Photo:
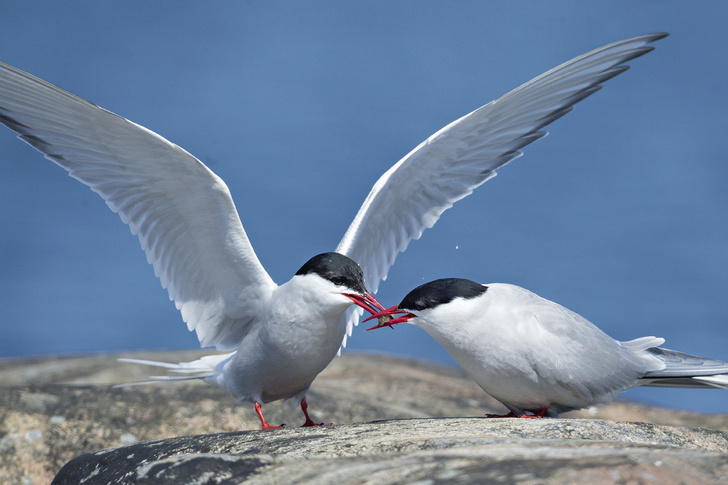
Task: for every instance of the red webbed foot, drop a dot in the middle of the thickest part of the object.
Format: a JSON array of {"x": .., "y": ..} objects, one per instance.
[
  {"x": 309, "y": 421},
  {"x": 263, "y": 423}
]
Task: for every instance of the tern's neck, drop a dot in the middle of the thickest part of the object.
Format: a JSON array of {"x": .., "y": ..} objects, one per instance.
[
  {"x": 452, "y": 324},
  {"x": 306, "y": 318},
  {"x": 313, "y": 297}
]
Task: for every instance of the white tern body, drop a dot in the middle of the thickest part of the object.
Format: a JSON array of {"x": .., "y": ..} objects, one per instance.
[{"x": 186, "y": 221}]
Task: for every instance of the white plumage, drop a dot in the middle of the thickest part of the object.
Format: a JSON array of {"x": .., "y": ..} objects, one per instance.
[
  {"x": 534, "y": 355},
  {"x": 189, "y": 228}
]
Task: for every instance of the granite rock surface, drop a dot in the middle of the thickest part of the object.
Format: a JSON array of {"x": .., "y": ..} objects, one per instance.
[{"x": 55, "y": 410}]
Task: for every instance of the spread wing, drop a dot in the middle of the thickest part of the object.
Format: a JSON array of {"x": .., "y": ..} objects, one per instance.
[
  {"x": 181, "y": 211},
  {"x": 449, "y": 165}
]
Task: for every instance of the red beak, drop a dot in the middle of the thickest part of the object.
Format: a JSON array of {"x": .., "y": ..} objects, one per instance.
[
  {"x": 368, "y": 302},
  {"x": 383, "y": 322}
]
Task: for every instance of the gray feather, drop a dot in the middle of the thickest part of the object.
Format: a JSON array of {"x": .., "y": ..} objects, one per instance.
[{"x": 685, "y": 370}]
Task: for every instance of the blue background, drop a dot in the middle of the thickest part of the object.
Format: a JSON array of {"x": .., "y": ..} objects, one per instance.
[{"x": 619, "y": 214}]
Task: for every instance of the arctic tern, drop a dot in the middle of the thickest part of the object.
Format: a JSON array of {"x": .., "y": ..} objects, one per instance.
[
  {"x": 537, "y": 357},
  {"x": 281, "y": 337}
]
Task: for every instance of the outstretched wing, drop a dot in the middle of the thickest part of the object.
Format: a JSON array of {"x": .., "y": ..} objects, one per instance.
[
  {"x": 449, "y": 165},
  {"x": 181, "y": 211}
]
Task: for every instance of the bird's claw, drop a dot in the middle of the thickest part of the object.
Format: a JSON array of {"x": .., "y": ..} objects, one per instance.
[
  {"x": 268, "y": 426},
  {"x": 311, "y": 424}
]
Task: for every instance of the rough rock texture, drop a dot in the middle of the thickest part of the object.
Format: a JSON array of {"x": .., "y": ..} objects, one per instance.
[
  {"x": 461, "y": 450},
  {"x": 53, "y": 410}
]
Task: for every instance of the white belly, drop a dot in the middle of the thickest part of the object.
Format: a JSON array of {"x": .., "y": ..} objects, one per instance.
[{"x": 270, "y": 366}]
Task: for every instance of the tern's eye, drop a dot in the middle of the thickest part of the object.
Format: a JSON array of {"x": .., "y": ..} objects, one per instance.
[{"x": 338, "y": 280}]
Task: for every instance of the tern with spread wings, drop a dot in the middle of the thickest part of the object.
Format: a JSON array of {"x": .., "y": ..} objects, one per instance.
[{"x": 280, "y": 337}]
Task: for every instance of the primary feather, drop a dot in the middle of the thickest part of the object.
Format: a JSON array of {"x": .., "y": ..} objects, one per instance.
[
  {"x": 181, "y": 211},
  {"x": 410, "y": 197}
]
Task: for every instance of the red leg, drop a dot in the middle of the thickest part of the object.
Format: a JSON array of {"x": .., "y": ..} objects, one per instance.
[
  {"x": 309, "y": 421},
  {"x": 263, "y": 422},
  {"x": 538, "y": 415}
]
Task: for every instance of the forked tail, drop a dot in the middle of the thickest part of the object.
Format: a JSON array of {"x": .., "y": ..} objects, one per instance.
[
  {"x": 684, "y": 370},
  {"x": 208, "y": 368}
]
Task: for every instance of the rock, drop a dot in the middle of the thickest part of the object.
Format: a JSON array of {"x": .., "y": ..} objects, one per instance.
[
  {"x": 461, "y": 450},
  {"x": 68, "y": 409}
]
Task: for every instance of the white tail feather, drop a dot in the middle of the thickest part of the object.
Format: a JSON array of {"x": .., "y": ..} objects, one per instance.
[
  {"x": 208, "y": 368},
  {"x": 720, "y": 381}
]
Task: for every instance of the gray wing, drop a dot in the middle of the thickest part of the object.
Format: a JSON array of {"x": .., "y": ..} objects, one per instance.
[
  {"x": 569, "y": 351},
  {"x": 449, "y": 165},
  {"x": 181, "y": 211},
  {"x": 685, "y": 370}
]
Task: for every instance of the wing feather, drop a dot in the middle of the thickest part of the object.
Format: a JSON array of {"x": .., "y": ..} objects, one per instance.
[
  {"x": 181, "y": 211},
  {"x": 410, "y": 197}
]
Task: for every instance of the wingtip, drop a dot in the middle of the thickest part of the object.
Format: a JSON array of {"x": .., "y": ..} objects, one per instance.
[{"x": 653, "y": 37}]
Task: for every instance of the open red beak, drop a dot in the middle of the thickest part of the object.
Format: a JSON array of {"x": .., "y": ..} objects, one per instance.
[
  {"x": 368, "y": 302},
  {"x": 385, "y": 317}
]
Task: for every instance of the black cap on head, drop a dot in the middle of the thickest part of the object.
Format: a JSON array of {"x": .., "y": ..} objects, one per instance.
[
  {"x": 439, "y": 292},
  {"x": 338, "y": 269}
]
